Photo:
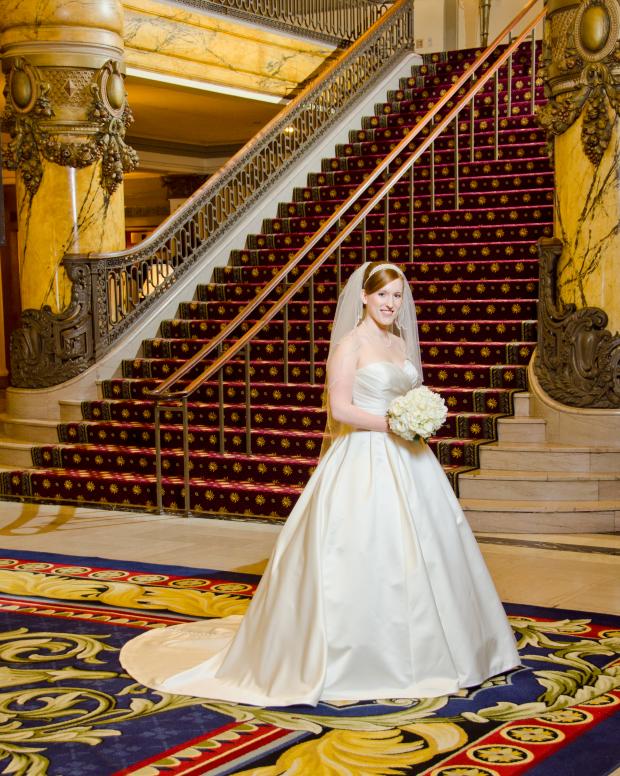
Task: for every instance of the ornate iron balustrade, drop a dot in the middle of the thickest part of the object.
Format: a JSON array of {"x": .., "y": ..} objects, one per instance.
[
  {"x": 399, "y": 165},
  {"x": 116, "y": 289},
  {"x": 336, "y": 21}
]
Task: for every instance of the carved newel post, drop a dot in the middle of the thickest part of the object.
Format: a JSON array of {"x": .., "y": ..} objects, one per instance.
[
  {"x": 66, "y": 115},
  {"x": 578, "y": 357}
]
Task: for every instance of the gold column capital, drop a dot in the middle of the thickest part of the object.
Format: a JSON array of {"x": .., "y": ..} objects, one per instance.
[
  {"x": 581, "y": 71},
  {"x": 65, "y": 93}
]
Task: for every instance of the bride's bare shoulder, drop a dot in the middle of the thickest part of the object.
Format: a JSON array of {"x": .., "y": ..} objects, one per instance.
[
  {"x": 350, "y": 341},
  {"x": 345, "y": 353}
]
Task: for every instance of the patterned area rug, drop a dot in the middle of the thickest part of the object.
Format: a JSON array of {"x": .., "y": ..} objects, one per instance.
[{"x": 68, "y": 709}]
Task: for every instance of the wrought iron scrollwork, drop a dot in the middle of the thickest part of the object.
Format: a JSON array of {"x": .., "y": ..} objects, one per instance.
[
  {"x": 578, "y": 359},
  {"x": 49, "y": 347},
  {"x": 340, "y": 22}
]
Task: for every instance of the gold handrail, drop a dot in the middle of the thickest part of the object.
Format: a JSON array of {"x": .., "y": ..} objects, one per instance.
[
  {"x": 162, "y": 390},
  {"x": 339, "y": 239}
]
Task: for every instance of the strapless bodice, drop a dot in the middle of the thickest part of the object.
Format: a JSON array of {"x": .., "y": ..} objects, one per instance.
[{"x": 378, "y": 383}]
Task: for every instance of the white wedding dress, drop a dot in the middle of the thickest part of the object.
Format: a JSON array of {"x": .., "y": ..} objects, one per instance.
[{"x": 376, "y": 588}]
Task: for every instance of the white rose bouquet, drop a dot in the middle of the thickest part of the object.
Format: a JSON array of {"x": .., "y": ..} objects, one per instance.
[{"x": 419, "y": 413}]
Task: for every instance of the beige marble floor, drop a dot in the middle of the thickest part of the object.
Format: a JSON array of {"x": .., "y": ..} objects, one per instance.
[{"x": 576, "y": 571}]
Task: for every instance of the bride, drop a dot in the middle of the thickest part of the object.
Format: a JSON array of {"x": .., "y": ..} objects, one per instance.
[{"x": 376, "y": 587}]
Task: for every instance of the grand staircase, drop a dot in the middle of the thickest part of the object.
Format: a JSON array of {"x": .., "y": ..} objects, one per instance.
[{"x": 474, "y": 276}]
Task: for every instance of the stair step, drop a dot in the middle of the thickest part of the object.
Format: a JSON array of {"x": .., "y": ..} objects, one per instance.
[
  {"x": 446, "y": 141},
  {"x": 423, "y": 253},
  {"x": 549, "y": 457},
  {"x": 439, "y": 75},
  {"x": 268, "y": 469},
  {"x": 522, "y": 404},
  {"x": 413, "y": 101},
  {"x": 521, "y": 429},
  {"x": 504, "y": 153},
  {"x": 70, "y": 409},
  {"x": 15, "y": 452},
  {"x": 500, "y": 484},
  {"x": 430, "y": 237},
  {"x": 446, "y": 290},
  {"x": 440, "y": 80},
  {"x": 490, "y": 176},
  {"x": 506, "y": 309},
  {"x": 28, "y": 429},
  {"x": 262, "y": 416},
  {"x": 455, "y": 329},
  {"x": 476, "y": 376},
  {"x": 459, "y": 399},
  {"x": 306, "y": 444},
  {"x": 474, "y": 215},
  {"x": 304, "y": 207},
  {"x": 481, "y": 111},
  {"x": 507, "y": 125},
  {"x": 414, "y": 92},
  {"x": 437, "y": 270},
  {"x": 561, "y": 516},
  {"x": 128, "y": 489},
  {"x": 445, "y": 352}
]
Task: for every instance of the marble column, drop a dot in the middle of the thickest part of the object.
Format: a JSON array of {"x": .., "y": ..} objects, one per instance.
[
  {"x": 66, "y": 116},
  {"x": 578, "y": 356}
]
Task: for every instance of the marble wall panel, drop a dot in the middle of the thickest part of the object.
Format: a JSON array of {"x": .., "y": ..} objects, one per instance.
[
  {"x": 177, "y": 41},
  {"x": 587, "y": 220},
  {"x": 70, "y": 213}
]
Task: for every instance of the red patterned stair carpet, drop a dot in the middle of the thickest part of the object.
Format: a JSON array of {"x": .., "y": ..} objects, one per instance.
[{"x": 474, "y": 276}]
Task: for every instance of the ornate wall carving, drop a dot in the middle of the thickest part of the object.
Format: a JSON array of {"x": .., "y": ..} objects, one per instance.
[
  {"x": 50, "y": 348},
  {"x": 578, "y": 359}
]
